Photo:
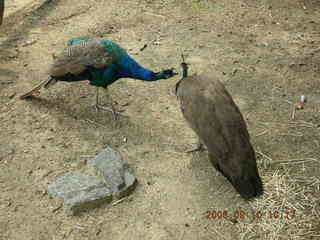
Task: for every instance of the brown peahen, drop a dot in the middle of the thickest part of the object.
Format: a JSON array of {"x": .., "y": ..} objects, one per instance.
[
  {"x": 212, "y": 114},
  {"x": 102, "y": 62}
]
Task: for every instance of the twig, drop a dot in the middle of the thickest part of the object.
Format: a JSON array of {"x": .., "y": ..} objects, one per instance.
[
  {"x": 264, "y": 155},
  {"x": 153, "y": 14},
  {"x": 262, "y": 133},
  {"x": 79, "y": 12},
  {"x": 57, "y": 208},
  {"x": 141, "y": 49},
  {"x": 295, "y": 161},
  {"x": 287, "y": 101},
  {"x": 120, "y": 201},
  {"x": 293, "y": 113},
  {"x": 222, "y": 237},
  {"x": 182, "y": 235},
  {"x": 93, "y": 122},
  {"x": 294, "y": 135},
  {"x": 304, "y": 123},
  {"x": 300, "y": 122}
]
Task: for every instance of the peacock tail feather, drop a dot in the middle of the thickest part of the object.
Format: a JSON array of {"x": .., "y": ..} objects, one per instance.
[{"x": 83, "y": 52}]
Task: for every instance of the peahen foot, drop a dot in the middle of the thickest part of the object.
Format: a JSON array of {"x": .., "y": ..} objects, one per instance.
[{"x": 199, "y": 147}]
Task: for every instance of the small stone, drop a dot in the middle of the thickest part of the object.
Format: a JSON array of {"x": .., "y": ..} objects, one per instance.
[
  {"x": 29, "y": 42},
  {"x": 12, "y": 95}
]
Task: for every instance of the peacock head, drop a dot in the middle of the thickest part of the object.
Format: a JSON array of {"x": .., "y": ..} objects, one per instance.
[{"x": 165, "y": 74}]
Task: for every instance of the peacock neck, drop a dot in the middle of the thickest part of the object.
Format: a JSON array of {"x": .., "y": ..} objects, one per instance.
[{"x": 129, "y": 68}]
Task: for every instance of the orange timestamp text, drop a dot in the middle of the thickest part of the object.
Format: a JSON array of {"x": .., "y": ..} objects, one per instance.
[{"x": 286, "y": 213}]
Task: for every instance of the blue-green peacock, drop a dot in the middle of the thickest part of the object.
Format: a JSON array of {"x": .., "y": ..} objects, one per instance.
[{"x": 102, "y": 62}]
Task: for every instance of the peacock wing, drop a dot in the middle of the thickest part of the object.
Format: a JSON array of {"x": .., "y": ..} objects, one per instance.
[{"x": 74, "y": 58}]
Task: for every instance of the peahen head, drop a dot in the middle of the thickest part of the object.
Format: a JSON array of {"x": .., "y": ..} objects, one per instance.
[{"x": 184, "y": 66}]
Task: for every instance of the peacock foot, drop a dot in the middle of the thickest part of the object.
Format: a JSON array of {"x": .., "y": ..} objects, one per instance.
[{"x": 111, "y": 109}]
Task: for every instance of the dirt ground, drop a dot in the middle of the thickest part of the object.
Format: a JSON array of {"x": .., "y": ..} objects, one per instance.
[{"x": 266, "y": 52}]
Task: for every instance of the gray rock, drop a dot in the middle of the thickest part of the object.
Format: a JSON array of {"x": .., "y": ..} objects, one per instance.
[
  {"x": 114, "y": 171},
  {"x": 80, "y": 192}
]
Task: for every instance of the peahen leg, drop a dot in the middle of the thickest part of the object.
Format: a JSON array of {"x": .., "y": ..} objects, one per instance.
[{"x": 98, "y": 106}]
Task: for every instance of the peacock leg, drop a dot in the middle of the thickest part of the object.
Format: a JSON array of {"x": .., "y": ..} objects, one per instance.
[
  {"x": 106, "y": 108},
  {"x": 96, "y": 106}
]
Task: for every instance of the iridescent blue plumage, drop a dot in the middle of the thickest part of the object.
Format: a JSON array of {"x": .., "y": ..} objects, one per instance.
[{"x": 124, "y": 66}]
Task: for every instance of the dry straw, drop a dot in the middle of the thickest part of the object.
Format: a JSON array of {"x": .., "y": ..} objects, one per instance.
[{"x": 294, "y": 196}]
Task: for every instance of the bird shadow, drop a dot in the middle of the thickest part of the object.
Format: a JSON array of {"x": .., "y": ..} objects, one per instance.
[
  {"x": 78, "y": 112},
  {"x": 7, "y": 78},
  {"x": 8, "y": 73}
]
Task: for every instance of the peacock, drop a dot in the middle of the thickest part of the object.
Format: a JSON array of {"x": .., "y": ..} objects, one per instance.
[
  {"x": 1, "y": 10},
  {"x": 211, "y": 112},
  {"x": 102, "y": 62}
]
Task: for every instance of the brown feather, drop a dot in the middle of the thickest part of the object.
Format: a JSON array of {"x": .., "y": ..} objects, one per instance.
[{"x": 74, "y": 58}]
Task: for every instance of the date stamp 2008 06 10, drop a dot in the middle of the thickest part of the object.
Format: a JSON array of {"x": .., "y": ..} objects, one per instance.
[{"x": 286, "y": 213}]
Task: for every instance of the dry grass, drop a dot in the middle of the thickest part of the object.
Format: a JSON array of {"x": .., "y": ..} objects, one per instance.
[{"x": 294, "y": 196}]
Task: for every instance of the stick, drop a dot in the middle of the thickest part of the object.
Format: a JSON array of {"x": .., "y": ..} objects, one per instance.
[
  {"x": 264, "y": 155},
  {"x": 37, "y": 88},
  {"x": 120, "y": 201},
  {"x": 262, "y": 133},
  {"x": 222, "y": 237},
  {"x": 93, "y": 122},
  {"x": 293, "y": 113},
  {"x": 153, "y": 14},
  {"x": 182, "y": 235}
]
